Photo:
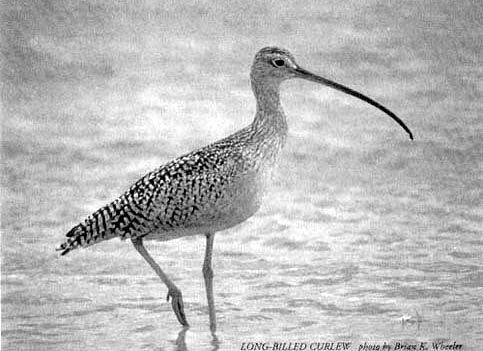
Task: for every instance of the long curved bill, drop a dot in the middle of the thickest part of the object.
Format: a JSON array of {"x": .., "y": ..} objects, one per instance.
[{"x": 302, "y": 73}]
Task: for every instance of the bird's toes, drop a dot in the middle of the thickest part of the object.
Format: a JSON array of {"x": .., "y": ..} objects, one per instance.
[
  {"x": 179, "y": 311},
  {"x": 178, "y": 306}
]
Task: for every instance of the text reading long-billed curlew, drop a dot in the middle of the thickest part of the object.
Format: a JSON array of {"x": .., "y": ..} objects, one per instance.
[{"x": 210, "y": 189}]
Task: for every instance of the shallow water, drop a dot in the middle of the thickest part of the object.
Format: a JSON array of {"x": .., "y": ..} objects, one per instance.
[{"x": 365, "y": 236}]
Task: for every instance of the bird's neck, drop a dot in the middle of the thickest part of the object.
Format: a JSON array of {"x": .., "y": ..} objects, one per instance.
[
  {"x": 270, "y": 119},
  {"x": 268, "y": 130}
]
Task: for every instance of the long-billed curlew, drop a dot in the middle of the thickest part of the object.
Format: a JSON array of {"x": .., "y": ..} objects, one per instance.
[{"x": 210, "y": 189}]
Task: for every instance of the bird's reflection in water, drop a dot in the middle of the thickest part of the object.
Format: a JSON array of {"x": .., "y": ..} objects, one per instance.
[
  {"x": 215, "y": 342},
  {"x": 180, "y": 342}
]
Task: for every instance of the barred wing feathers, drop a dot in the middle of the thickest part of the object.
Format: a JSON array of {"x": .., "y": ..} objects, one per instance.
[{"x": 166, "y": 197}]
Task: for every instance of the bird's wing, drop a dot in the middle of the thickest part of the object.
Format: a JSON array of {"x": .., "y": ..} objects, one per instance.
[{"x": 166, "y": 197}]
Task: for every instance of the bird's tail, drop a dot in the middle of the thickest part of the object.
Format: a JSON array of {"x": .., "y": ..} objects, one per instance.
[
  {"x": 75, "y": 237},
  {"x": 106, "y": 223},
  {"x": 84, "y": 234}
]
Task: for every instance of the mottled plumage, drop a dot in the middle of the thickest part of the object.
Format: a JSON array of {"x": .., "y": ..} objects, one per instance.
[
  {"x": 210, "y": 189},
  {"x": 207, "y": 190}
]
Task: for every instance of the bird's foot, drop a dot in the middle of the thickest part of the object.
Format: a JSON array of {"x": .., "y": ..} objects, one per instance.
[{"x": 177, "y": 304}]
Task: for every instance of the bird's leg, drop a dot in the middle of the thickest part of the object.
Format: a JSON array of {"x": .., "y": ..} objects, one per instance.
[
  {"x": 208, "y": 275},
  {"x": 173, "y": 291}
]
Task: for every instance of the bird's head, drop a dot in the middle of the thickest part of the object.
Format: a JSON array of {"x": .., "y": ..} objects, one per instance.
[{"x": 273, "y": 65}]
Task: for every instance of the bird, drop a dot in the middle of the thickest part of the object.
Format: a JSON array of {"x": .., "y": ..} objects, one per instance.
[{"x": 209, "y": 189}]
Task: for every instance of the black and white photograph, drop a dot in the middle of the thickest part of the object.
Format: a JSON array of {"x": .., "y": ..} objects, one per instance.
[{"x": 242, "y": 175}]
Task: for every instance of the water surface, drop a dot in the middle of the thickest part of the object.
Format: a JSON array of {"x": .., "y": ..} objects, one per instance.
[{"x": 363, "y": 229}]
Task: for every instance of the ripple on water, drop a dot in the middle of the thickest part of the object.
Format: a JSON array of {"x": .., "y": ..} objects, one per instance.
[
  {"x": 284, "y": 243},
  {"x": 464, "y": 254},
  {"x": 367, "y": 308},
  {"x": 155, "y": 307},
  {"x": 275, "y": 310},
  {"x": 443, "y": 267},
  {"x": 276, "y": 285},
  {"x": 312, "y": 304},
  {"x": 86, "y": 312},
  {"x": 146, "y": 328},
  {"x": 317, "y": 246},
  {"x": 472, "y": 280},
  {"x": 325, "y": 282},
  {"x": 412, "y": 292},
  {"x": 258, "y": 317}
]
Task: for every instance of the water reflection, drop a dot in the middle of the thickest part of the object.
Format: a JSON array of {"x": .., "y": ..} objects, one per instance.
[
  {"x": 180, "y": 342},
  {"x": 215, "y": 342}
]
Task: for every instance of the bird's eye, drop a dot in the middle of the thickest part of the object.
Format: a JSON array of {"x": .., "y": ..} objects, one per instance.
[{"x": 278, "y": 63}]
